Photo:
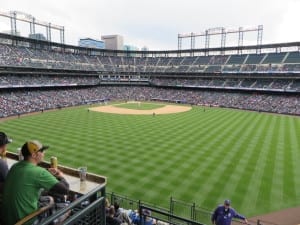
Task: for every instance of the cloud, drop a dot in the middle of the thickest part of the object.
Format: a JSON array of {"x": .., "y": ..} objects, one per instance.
[
  {"x": 288, "y": 28},
  {"x": 156, "y": 23}
]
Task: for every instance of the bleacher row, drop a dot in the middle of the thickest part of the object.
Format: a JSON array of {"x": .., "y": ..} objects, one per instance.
[
  {"x": 18, "y": 56},
  {"x": 235, "y": 83},
  {"x": 41, "y": 80}
]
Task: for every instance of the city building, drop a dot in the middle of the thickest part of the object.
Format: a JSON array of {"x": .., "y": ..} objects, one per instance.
[
  {"x": 145, "y": 48},
  {"x": 38, "y": 36},
  {"x": 114, "y": 42},
  {"x": 130, "y": 48},
  {"x": 91, "y": 43}
]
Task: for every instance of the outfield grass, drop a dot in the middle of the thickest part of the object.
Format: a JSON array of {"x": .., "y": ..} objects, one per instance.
[{"x": 196, "y": 156}]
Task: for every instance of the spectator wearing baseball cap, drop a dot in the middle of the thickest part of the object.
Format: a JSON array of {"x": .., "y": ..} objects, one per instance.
[
  {"x": 145, "y": 219},
  {"x": 4, "y": 140},
  {"x": 224, "y": 214},
  {"x": 24, "y": 183},
  {"x": 31, "y": 148}
]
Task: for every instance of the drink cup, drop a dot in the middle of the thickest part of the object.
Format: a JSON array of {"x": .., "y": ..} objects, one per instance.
[{"x": 82, "y": 173}]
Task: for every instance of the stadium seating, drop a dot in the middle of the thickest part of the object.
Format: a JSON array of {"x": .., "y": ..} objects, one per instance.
[
  {"x": 236, "y": 59},
  {"x": 254, "y": 59},
  {"x": 127, "y": 69},
  {"x": 293, "y": 57},
  {"x": 33, "y": 58},
  {"x": 274, "y": 58},
  {"x": 19, "y": 102}
]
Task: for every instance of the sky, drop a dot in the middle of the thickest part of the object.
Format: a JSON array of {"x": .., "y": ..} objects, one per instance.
[{"x": 157, "y": 23}]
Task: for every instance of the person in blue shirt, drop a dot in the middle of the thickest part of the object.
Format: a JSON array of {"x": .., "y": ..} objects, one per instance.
[
  {"x": 223, "y": 214},
  {"x": 144, "y": 220}
]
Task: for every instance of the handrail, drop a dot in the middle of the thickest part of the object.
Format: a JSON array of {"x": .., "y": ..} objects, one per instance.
[
  {"x": 86, "y": 210},
  {"x": 188, "y": 221},
  {"x": 77, "y": 203},
  {"x": 35, "y": 213}
]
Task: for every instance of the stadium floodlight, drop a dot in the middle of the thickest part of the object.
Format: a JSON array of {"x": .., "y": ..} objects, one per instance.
[
  {"x": 223, "y": 32},
  {"x": 15, "y": 16}
]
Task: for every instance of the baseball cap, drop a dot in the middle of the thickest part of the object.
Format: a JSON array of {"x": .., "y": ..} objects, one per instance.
[
  {"x": 4, "y": 139},
  {"x": 227, "y": 202},
  {"x": 146, "y": 212},
  {"x": 33, "y": 146}
]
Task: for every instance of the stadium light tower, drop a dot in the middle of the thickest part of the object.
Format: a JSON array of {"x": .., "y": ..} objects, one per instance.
[
  {"x": 259, "y": 38},
  {"x": 223, "y": 32},
  {"x": 15, "y": 16}
]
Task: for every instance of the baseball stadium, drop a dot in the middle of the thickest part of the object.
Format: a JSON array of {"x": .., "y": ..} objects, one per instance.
[{"x": 175, "y": 132}]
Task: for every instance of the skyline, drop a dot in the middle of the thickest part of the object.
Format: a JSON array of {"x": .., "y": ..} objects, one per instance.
[{"x": 156, "y": 24}]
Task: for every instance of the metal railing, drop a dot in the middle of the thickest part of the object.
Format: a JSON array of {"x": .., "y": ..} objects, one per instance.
[
  {"x": 179, "y": 212},
  {"x": 165, "y": 217},
  {"x": 89, "y": 209}
]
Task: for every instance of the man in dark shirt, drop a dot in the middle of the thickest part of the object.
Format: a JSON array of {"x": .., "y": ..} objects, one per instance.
[{"x": 223, "y": 214}]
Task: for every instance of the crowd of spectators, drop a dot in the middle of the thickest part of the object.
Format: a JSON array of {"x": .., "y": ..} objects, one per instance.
[
  {"x": 46, "y": 80},
  {"x": 10, "y": 80},
  {"x": 20, "y": 56},
  {"x": 274, "y": 84},
  {"x": 21, "y": 101},
  {"x": 24, "y": 101}
]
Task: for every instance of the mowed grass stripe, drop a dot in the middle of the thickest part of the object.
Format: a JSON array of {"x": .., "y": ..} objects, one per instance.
[
  {"x": 239, "y": 181},
  {"x": 207, "y": 153},
  {"x": 289, "y": 183},
  {"x": 278, "y": 174},
  {"x": 151, "y": 155},
  {"x": 296, "y": 155},
  {"x": 252, "y": 144},
  {"x": 153, "y": 158},
  {"x": 225, "y": 167},
  {"x": 175, "y": 161},
  {"x": 185, "y": 176},
  {"x": 264, "y": 197},
  {"x": 208, "y": 170},
  {"x": 255, "y": 177}
]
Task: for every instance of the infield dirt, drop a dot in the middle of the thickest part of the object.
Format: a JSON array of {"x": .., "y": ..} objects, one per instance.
[{"x": 167, "y": 109}]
